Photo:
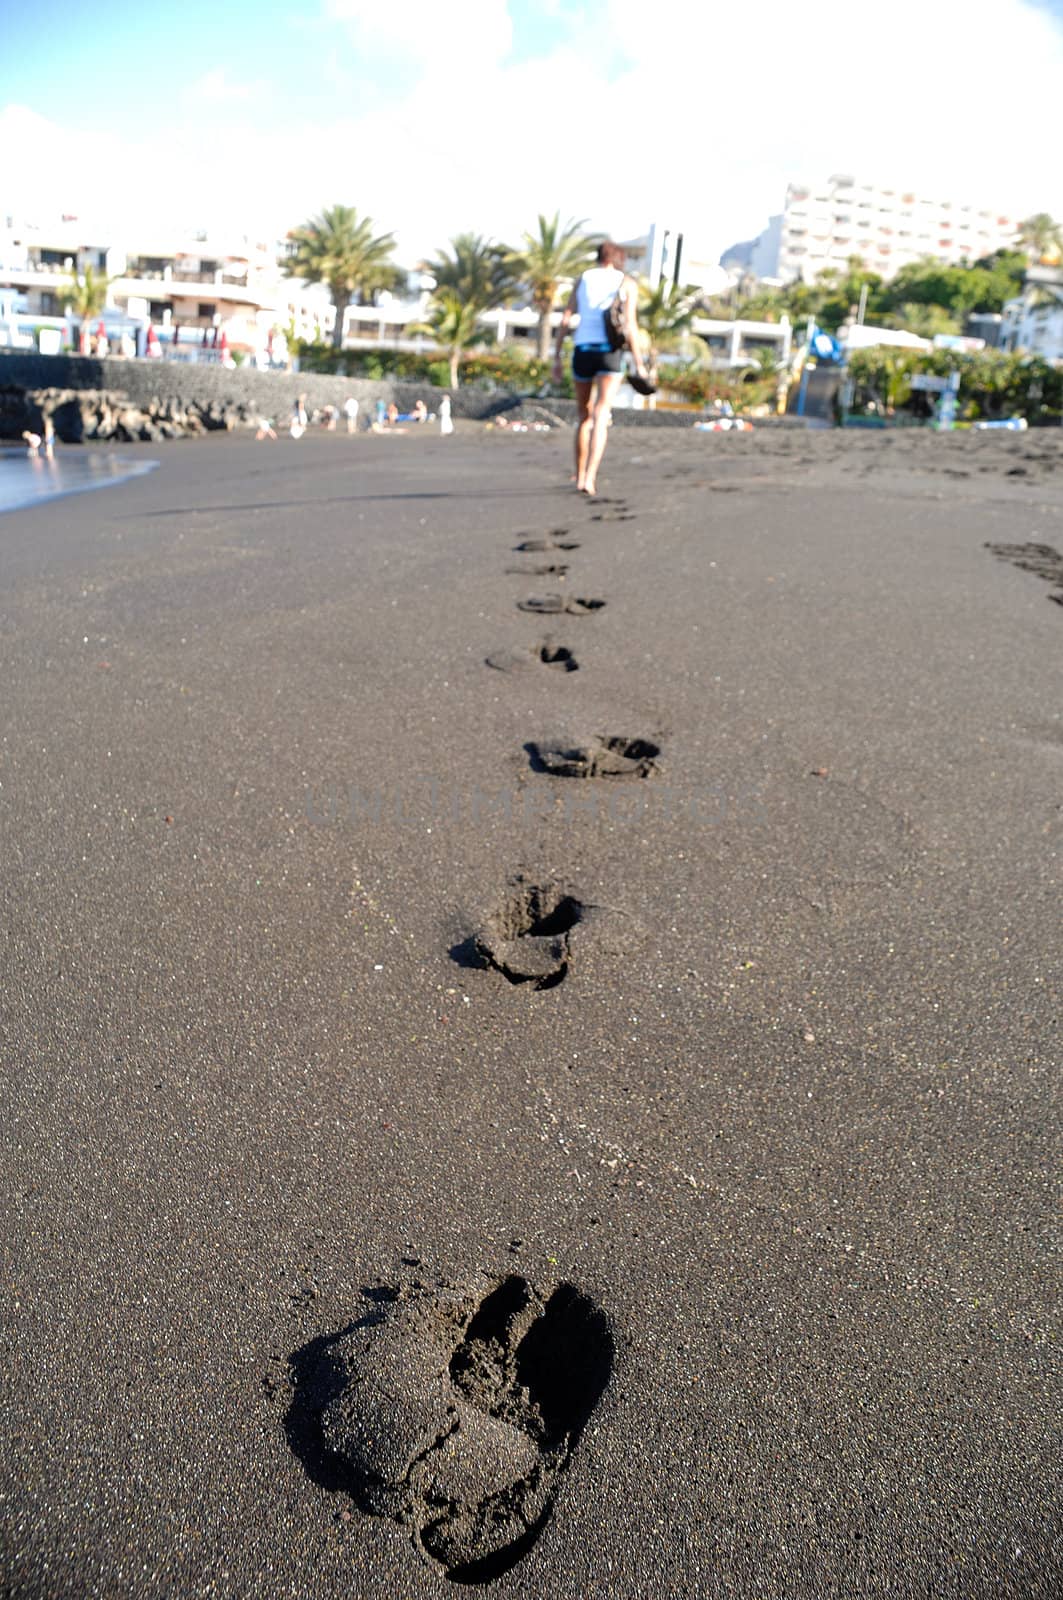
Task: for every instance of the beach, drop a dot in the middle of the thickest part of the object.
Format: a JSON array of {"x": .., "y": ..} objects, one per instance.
[{"x": 774, "y": 1091}]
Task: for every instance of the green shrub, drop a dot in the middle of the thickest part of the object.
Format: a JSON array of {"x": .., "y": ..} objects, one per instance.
[
  {"x": 993, "y": 383},
  {"x": 491, "y": 368},
  {"x": 706, "y": 385}
]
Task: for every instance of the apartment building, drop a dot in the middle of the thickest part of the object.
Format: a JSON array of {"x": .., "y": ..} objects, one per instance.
[
  {"x": 194, "y": 284},
  {"x": 824, "y": 225}
]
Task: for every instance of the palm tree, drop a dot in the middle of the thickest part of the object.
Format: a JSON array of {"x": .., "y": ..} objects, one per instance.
[
  {"x": 1041, "y": 236},
  {"x": 453, "y": 324},
  {"x": 924, "y": 319},
  {"x": 86, "y": 295},
  {"x": 477, "y": 271},
  {"x": 548, "y": 261},
  {"x": 1043, "y": 294},
  {"x": 764, "y": 361},
  {"x": 665, "y": 316},
  {"x": 338, "y": 248}
]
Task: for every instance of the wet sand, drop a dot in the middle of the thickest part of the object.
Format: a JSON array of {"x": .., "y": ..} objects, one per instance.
[
  {"x": 30, "y": 476},
  {"x": 701, "y": 953}
]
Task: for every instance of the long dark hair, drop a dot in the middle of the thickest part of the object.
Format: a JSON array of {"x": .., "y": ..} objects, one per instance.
[{"x": 612, "y": 255}]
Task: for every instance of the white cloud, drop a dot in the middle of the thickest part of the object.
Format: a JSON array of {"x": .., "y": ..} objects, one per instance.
[
  {"x": 701, "y": 128},
  {"x": 217, "y": 88},
  {"x": 426, "y": 35}
]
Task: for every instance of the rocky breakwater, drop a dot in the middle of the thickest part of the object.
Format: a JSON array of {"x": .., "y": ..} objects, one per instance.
[{"x": 79, "y": 415}]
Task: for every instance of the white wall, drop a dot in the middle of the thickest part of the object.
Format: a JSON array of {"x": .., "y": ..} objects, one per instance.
[{"x": 1036, "y": 329}]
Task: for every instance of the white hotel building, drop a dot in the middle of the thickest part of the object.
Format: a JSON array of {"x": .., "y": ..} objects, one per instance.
[
  {"x": 824, "y": 224},
  {"x": 195, "y": 284}
]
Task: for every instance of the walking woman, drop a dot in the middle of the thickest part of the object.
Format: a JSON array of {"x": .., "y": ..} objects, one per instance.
[{"x": 596, "y": 366}]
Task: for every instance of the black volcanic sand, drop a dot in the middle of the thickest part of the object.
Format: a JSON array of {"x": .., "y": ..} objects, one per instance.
[{"x": 357, "y": 1247}]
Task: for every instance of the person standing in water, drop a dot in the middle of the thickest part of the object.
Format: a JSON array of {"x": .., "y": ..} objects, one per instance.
[{"x": 596, "y": 367}]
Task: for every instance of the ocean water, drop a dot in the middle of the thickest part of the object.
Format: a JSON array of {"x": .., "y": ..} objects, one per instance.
[{"x": 26, "y": 480}]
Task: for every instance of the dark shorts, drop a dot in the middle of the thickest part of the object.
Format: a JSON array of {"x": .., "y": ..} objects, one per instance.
[{"x": 588, "y": 360}]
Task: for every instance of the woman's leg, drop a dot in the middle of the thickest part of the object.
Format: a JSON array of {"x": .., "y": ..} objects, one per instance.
[
  {"x": 584, "y": 422},
  {"x": 605, "y": 386}
]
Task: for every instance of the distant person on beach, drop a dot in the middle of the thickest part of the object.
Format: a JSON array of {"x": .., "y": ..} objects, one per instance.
[
  {"x": 420, "y": 412},
  {"x": 36, "y": 442},
  {"x": 298, "y": 427},
  {"x": 596, "y": 368},
  {"x": 350, "y": 411},
  {"x": 446, "y": 424}
]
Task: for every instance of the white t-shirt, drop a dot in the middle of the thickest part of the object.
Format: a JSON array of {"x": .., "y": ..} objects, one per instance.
[{"x": 595, "y": 293}]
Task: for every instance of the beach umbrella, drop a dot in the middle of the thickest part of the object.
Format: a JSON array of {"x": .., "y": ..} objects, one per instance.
[
  {"x": 153, "y": 342},
  {"x": 223, "y": 343}
]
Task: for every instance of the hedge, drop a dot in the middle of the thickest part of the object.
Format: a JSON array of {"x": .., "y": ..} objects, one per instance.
[{"x": 993, "y": 383}]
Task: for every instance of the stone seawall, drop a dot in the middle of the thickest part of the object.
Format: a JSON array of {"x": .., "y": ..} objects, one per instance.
[
  {"x": 272, "y": 394},
  {"x": 171, "y": 388}
]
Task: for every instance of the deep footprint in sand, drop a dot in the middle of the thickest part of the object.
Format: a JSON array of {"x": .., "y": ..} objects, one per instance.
[
  {"x": 552, "y": 604},
  {"x": 602, "y": 757},
  {"x": 454, "y": 1412},
  {"x": 558, "y": 569},
  {"x": 546, "y": 654},
  {"x": 1041, "y": 559},
  {"x": 530, "y": 939}
]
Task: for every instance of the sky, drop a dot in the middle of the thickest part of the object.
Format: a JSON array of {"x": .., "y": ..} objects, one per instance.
[{"x": 249, "y": 116}]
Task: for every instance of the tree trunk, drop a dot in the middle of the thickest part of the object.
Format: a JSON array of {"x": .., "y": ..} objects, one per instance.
[
  {"x": 341, "y": 299},
  {"x": 544, "y": 335},
  {"x": 455, "y": 356}
]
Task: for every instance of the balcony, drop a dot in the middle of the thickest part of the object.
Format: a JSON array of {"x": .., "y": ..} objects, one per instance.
[{"x": 152, "y": 269}]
